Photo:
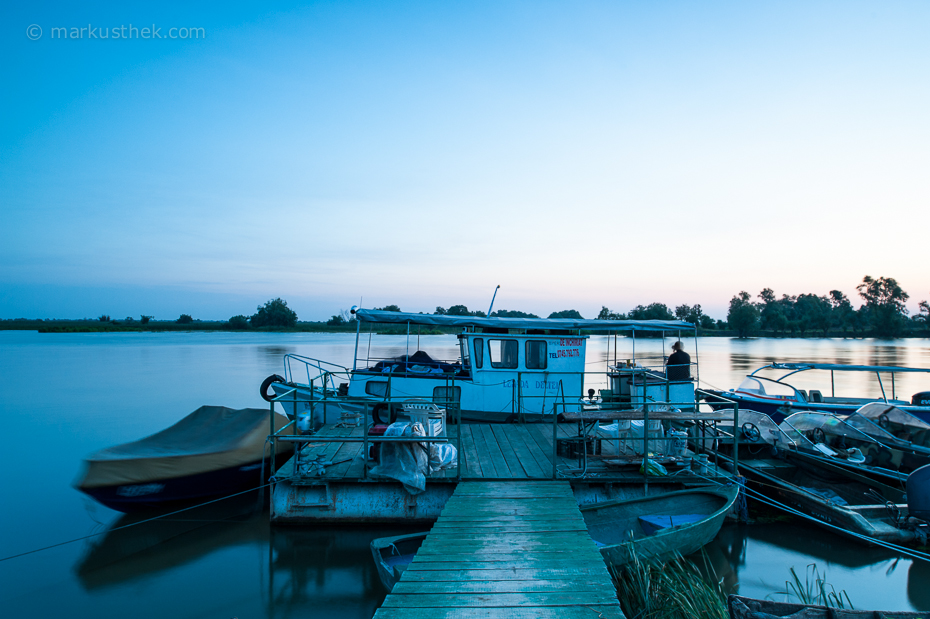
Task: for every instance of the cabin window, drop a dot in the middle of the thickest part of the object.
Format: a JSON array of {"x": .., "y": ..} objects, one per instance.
[
  {"x": 536, "y": 354},
  {"x": 504, "y": 353},
  {"x": 479, "y": 352},
  {"x": 446, "y": 396},
  {"x": 376, "y": 388}
]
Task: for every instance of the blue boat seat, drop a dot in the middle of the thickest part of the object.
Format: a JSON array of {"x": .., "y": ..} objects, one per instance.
[{"x": 651, "y": 524}]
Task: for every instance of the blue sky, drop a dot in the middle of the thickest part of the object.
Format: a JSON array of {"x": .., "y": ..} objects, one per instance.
[{"x": 577, "y": 154}]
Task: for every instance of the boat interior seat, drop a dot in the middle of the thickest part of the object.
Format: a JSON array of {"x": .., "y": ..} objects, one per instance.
[
  {"x": 803, "y": 392},
  {"x": 656, "y": 522},
  {"x": 815, "y": 396}
]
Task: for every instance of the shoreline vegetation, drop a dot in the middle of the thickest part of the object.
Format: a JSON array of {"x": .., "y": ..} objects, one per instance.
[{"x": 882, "y": 315}]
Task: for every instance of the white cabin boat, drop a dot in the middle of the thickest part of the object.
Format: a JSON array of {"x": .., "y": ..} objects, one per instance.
[{"x": 508, "y": 369}]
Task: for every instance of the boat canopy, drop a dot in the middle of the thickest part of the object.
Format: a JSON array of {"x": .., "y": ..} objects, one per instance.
[
  {"x": 800, "y": 367},
  {"x": 445, "y": 320}
]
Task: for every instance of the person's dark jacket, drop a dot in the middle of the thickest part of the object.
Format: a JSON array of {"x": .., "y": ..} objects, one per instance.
[{"x": 678, "y": 366}]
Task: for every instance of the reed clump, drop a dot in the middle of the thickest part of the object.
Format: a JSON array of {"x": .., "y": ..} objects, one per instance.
[
  {"x": 815, "y": 589},
  {"x": 675, "y": 589}
]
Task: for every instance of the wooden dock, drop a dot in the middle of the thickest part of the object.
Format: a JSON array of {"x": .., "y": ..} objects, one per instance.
[{"x": 506, "y": 550}]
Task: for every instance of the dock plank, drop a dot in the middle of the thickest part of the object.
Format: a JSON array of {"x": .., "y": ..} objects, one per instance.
[
  {"x": 494, "y": 454},
  {"x": 483, "y": 453},
  {"x": 513, "y": 461},
  {"x": 472, "y": 461},
  {"x": 506, "y": 550}
]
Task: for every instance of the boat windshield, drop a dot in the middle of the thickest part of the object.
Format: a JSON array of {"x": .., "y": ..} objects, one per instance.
[
  {"x": 891, "y": 416},
  {"x": 869, "y": 427},
  {"x": 769, "y": 432},
  {"x": 812, "y": 425},
  {"x": 766, "y": 387}
]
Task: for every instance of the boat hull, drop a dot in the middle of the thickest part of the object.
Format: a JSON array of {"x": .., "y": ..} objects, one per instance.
[
  {"x": 393, "y": 554},
  {"x": 854, "y": 521},
  {"x": 663, "y": 544},
  {"x": 183, "y": 490},
  {"x": 780, "y": 409}
]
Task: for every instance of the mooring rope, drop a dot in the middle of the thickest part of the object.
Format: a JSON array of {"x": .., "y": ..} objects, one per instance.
[{"x": 132, "y": 524}]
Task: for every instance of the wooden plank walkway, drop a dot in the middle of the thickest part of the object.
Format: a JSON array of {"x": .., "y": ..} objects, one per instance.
[{"x": 509, "y": 550}]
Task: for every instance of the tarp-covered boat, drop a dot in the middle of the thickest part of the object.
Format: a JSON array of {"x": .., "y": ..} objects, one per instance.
[
  {"x": 656, "y": 527},
  {"x": 214, "y": 451}
]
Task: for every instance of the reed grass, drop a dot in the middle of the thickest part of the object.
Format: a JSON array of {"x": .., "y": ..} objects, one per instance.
[
  {"x": 815, "y": 589},
  {"x": 676, "y": 589}
]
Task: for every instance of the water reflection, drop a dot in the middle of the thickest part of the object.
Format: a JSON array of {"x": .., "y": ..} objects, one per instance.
[
  {"x": 136, "y": 548},
  {"x": 275, "y": 353},
  {"x": 754, "y": 560},
  {"x": 322, "y": 572},
  {"x": 918, "y": 585}
]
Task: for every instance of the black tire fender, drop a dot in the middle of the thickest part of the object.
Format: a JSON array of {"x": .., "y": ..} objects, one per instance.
[
  {"x": 274, "y": 378},
  {"x": 379, "y": 409}
]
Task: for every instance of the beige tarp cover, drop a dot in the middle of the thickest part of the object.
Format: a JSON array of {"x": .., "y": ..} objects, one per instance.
[{"x": 209, "y": 439}]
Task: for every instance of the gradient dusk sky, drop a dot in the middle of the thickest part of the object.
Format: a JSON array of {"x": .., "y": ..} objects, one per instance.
[{"x": 579, "y": 154}]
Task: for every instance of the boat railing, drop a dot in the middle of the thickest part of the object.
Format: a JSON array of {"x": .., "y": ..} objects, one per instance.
[
  {"x": 358, "y": 412},
  {"x": 317, "y": 371}
]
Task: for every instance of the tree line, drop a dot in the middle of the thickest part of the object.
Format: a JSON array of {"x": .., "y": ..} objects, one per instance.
[{"x": 882, "y": 312}]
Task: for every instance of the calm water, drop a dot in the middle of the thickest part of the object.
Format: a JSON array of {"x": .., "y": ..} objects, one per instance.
[{"x": 65, "y": 395}]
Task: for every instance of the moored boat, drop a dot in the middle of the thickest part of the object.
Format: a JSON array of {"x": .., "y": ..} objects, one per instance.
[
  {"x": 507, "y": 369},
  {"x": 866, "y": 509},
  {"x": 657, "y": 527},
  {"x": 773, "y": 396},
  {"x": 741, "y": 607},
  {"x": 214, "y": 451},
  {"x": 392, "y": 555}
]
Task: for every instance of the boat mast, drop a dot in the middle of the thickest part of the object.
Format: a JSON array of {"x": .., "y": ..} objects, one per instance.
[{"x": 492, "y": 300}]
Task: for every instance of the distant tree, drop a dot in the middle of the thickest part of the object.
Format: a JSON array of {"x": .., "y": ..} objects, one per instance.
[
  {"x": 567, "y": 314},
  {"x": 924, "y": 315},
  {"x": 275, "y": 313},
  {"x": 238, "y": 323},
  {"x": 458, "y": 310},
  {"x": 708, "y": 323},
  {"x": 688, "y": 313},
  {"x": 653, "y": 311},
  {"x": 145, "y": 319},
  {"x": 743, "y": 316},
  {"x": 336, "y": 321},
  {"x": 814, "y": 313},
  {"x": 184, "y": 319},
  {"x": 722, "y": 325},
  {"x": 884, "y": 302},
  {"x": 606, "y": 314},
  {"x": 440, "y": 311},
  {"x": 389, "y": 308},
  {"x": 843, "y": 314},
  {"x": 103, "y": 318},
  {"x": 771, "y": 312},
  {"x": 513, "y": 314}
]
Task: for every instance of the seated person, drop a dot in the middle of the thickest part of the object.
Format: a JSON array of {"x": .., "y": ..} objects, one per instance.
[{"x": 678, "y": 366}]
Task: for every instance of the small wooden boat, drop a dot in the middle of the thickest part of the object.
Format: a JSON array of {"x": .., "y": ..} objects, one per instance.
[
  {"x": 656, "y": 527},
  {"x": 214, "y": 451},
  {"x": 741, "y": 607},
  {"x": 393, "y": 554}
]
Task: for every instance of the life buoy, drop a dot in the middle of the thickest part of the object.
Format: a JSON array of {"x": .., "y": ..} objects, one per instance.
[{"x": 274, "y": 378}]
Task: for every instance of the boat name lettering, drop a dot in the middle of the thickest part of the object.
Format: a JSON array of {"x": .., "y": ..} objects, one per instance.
[
  {"x": 565, "y": 352},
  {"x": 547, "y": 384},
  {"x": 570, "y": 341},
  {"x": 508, "y": 384},
  {"x": 140, "y": 490}
]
